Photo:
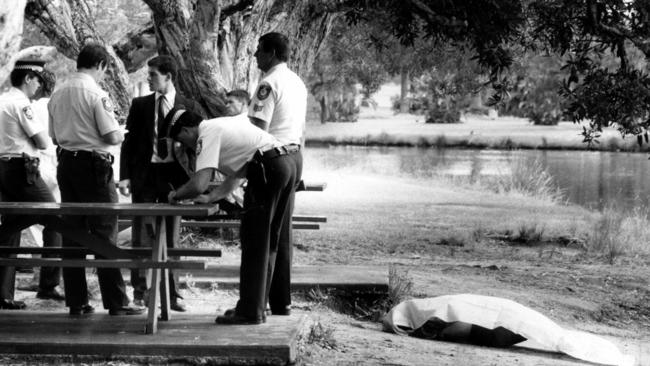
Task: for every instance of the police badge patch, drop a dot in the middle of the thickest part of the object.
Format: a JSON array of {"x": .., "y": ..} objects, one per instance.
[
  {"x": 199, "y": 146},
  {"x": 28, "y": 112},
  {"x": 107, "y": 104},
  {"x": 263, "y": 91}
]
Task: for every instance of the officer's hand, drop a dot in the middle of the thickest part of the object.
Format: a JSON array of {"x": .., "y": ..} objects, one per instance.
[
  {"x": 204, "y": 198},
  {"x": 125, "y": 187},
  {"x": 171, "y": 198}
]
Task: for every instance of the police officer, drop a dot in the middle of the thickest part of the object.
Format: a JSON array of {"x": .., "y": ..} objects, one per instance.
[
  {"x": 279, "y": 106},
  {"x": 83, "y": 124},
  {"x": 241, "y": 150},
  {"x": 21, "y": 138}
]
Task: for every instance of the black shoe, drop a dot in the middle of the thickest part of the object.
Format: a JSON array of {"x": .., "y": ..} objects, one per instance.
[
  {"x": 126, "y": 310},
  {"x": 281, "y": 311},
  {"x": 79, "y": 310},
  {"x": 50, "y": 295},
  {"x": 234, "y": 319},
  {"x": 12, "y": 304},
  {"x": 177, "y": 305}
]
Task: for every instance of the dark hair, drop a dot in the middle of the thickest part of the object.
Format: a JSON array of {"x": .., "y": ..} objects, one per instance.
[
  {"x": 277, "y": 43},
  {"x": 92, "y": 55},
  {"x": 240, "y": 94},
  {"x": 49, "y": 81},
  {"x": 185, "y": 119},
  {"x": 165, "y": 64},
  {"x": 17, "y": 76}
]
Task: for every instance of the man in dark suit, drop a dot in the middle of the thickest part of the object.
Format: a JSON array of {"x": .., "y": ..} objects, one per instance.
[{"x": 148, "y": 167}]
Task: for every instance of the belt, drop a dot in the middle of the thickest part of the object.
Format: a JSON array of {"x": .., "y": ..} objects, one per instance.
[
  {"x": 279, "y": 151},
  {"x": 83, "y": 154},
  {"x": 11, "y": 158}
]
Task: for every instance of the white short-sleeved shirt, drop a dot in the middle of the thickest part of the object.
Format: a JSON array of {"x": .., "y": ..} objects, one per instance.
[
  {"x": 281, "y": 101},
  {"x": 228, "y": 143},
  {"x": 18, "y": 124},
  {"x": 80, "y": 114}
]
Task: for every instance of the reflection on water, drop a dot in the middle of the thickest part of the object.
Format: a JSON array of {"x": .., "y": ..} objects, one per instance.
[{"x": 591, "y": 179}]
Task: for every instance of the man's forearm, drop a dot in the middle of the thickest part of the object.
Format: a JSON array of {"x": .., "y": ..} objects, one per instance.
[
  {"x": 195, "y": 186},
  {"x": 225, "y": 188}
]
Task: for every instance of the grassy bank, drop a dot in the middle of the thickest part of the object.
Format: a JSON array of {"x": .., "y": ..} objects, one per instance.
[{"x": 382, "y": 127}]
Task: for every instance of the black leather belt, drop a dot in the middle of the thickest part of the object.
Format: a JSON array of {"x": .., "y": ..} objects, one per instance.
[
  {"x": 8, "y": 159},
  {"x": 83, "y": 154},
  {"x": 279, "y": 151}
]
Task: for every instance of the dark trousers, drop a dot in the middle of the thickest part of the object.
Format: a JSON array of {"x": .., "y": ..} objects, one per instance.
[
  {"x": 89, "y": 178},
  {"x": 158, "y": 181},
  {"x": 266, "y": 239},
  {"x": 15, "y": 188}
]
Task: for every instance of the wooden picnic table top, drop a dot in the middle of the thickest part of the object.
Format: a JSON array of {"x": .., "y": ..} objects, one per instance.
[{"x": 103, "y": 208}]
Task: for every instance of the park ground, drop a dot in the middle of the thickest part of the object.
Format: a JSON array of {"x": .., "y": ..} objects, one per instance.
[{"x": 440, "y": 238}]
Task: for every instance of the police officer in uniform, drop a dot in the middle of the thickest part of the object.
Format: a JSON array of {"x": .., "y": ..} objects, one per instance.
[
  {"x": 83, "y": 125},
  {"x": 241, "y": 150},
  {"x": 279, "y": 106},
  {"x": 21, "y": 138}
]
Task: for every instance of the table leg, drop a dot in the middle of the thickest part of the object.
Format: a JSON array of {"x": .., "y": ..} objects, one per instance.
[
  {"x": 164, "y": 277},
  {"x": 159, "y": 245}
]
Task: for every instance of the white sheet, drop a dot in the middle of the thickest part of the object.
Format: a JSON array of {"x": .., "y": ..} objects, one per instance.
[{"x": 492, "y": 312}]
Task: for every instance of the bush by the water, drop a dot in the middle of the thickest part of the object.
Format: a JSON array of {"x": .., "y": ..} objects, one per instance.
[{"x": 526, "y": 177}]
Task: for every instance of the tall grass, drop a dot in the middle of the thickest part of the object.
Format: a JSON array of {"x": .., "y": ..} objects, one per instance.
[
  {"x": 527, "y": 177},
  {"x": 616, "y": 232}
]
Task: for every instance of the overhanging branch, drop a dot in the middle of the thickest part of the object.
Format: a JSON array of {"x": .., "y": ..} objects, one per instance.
[{"x": 137, "y": 47}]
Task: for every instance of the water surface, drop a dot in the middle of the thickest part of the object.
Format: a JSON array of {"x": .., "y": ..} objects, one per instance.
[{"x": 588, "y": 178}]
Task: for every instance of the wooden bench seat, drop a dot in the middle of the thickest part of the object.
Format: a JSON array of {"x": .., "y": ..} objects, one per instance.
[
  {"x": 141, "y": 252},
  {"x": 103, "y": 263},
  {"x": 301, "y": 222}
]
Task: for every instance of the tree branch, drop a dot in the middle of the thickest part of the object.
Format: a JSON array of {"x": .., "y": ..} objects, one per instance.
[
  {"x": 235, "y": 8},
  {"x": 137, "y": 47},
  {"x": 621, "y": 33}
]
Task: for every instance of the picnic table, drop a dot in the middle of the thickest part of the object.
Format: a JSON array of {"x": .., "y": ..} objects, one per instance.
[{"x": 116, "y": 257}]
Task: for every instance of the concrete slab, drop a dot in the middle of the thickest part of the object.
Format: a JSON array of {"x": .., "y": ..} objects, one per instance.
[
  {"x": 186, "y": 335},
  {"x": 348, "y": 278}
]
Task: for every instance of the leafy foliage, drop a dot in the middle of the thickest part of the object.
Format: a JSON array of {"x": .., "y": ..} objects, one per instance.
[
  {"x": 345, "y": 61},
  {"x": 589, "y": 34},
  {"x": 534, "y": 93}
]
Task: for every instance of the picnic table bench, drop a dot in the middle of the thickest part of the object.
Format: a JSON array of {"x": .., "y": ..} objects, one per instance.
[
  {"x": 155, "y": 258},
  {"x": 157, "y": 255}
]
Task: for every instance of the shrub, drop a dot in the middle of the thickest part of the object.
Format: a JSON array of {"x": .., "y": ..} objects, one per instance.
[
  {"x": 400, "y": 286},
  {"x": 616, "y": 232},
  {"x": 526, "y": 177}
]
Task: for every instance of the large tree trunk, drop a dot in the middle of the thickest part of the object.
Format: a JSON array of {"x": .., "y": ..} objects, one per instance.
[
  {"x": 11, "y": 31},
  {"x": 70, "y": 25},
  {"x": 213, "y": 41}
]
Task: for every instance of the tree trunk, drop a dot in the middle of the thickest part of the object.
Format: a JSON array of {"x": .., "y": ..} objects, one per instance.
[
  {"x": 11, "y": 31},
  {"x": 212, "y": 41},
  {"x": 70, "y": 25},
  {"x": 323, "y": 109},
  {"x": 404, "y": 90}
]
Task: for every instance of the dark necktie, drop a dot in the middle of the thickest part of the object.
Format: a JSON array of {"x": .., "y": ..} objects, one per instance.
[{"x": 162, "y": 133}]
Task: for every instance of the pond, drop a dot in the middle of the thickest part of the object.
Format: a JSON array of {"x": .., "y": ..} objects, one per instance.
[{"x": 588, "y": 178}]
